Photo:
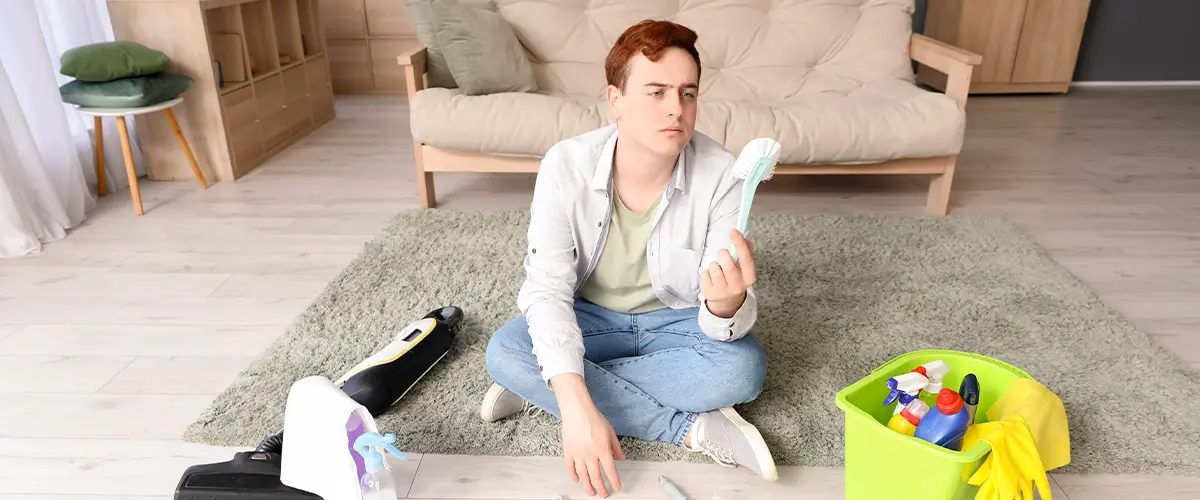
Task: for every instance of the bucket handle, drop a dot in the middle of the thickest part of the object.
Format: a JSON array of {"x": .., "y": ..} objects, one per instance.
[{"x": 961, "y": 353}]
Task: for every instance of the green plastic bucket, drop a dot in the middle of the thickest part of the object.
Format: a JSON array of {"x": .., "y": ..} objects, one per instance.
[{"x": 882, "y": 463}]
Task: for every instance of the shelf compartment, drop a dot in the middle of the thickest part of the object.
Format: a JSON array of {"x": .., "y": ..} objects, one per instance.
[
  {"x": 260, "y": 37},
  {"x": 286, "y": 18},
  {"x": 227, "y": 44},
  {"x": 311, "y": 35}
]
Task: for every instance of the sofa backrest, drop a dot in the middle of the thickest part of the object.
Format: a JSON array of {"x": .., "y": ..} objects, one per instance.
[{"x": 749, "y": 49}]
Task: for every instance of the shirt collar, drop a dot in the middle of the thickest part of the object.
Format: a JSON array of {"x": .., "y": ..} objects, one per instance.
[{"x": 603, "y": 176}]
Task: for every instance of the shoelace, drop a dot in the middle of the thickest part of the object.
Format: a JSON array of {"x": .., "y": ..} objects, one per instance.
[
  {"x": 530, "y": 410},
  {"x": 717, "y": 453}
]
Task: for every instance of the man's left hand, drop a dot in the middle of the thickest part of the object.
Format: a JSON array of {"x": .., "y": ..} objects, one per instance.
[{"x": 724, "y": 285}]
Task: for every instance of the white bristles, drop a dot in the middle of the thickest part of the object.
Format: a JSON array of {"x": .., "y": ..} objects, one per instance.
[{"x": 754, "y": 150}]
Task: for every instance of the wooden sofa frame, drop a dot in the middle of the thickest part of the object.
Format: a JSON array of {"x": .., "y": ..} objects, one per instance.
[{"x": 955, "y": 63}]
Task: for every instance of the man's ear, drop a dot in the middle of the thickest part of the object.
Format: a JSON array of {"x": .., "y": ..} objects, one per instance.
[{"x": 613, "y": 95}]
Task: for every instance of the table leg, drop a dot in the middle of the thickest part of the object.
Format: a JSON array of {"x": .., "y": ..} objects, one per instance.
[
  {"x": 186, "y": 149},
  {"x": 127, "y": 149},
  {"x": 100, "y": 187}
]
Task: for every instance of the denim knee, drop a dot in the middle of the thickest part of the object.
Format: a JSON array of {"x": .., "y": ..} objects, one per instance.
[{"x": 743, "y": 373}]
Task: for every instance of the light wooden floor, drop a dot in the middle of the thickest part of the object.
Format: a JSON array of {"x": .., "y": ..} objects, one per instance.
[{"x": 114, "y": 339}]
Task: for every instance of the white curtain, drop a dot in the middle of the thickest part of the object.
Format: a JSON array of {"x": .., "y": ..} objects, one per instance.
[{"x": 47, "y": 156}]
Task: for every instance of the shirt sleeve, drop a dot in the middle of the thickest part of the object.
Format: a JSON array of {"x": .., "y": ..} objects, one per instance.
[
  {"x": 546, "y": 298},
  {"x": 722, "y": 220}
]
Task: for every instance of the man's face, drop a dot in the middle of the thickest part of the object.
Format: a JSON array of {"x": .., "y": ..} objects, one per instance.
[{"x": 657, "y": 110}]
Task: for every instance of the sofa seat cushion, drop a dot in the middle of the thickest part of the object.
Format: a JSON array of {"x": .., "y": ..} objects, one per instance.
[{"x": 884, "y": 120}]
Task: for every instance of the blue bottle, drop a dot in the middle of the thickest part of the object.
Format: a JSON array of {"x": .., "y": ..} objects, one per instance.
[{"x": 946, "y": 423}]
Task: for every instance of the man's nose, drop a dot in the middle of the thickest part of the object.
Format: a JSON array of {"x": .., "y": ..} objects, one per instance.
[{"x": 675, "y": 105}]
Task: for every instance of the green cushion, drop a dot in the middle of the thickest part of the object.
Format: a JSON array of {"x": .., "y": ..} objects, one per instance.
[
  {"x": 135, "y": 92},
  {"x": 420, "y": 13},
  {"x": 107, "y": 61},
  {"x": 481, "y": 49}
]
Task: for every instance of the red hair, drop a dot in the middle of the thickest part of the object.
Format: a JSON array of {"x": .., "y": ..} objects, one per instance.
[{"x": 650, "y": 38}]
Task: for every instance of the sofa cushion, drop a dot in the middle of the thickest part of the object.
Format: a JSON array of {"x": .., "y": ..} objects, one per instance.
[
  {"x": 764, "y": 50},
  {"x": 420, "y": 14},
  {"x": 481, "y": 50},
  {"x": 879, "y": 121}
]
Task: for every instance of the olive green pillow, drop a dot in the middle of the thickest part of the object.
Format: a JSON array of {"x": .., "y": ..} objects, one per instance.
[
  {"x": 134, "y": 92},
  {"x": 420, "y": 14},
  {"x": 107, "y": 61},
  {"x": 482, "y": 50}
]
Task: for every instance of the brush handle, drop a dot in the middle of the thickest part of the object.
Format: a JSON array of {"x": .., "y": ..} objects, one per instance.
[
  {"x": 749, "y": 187},
  {"x": 743, "y": 223}
]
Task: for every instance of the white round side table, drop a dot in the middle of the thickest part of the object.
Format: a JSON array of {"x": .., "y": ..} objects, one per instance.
[{"x": 120, "y": 114}]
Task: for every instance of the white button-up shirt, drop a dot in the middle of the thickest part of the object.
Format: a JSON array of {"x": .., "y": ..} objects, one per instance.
[{"x": 570, "y": 213}]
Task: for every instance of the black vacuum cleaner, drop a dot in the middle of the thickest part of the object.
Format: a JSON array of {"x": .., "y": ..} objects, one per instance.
[{"x": 377, "y": 383}]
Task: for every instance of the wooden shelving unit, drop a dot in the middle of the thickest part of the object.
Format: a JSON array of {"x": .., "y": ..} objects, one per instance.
[
  {"x": 365, "y": 37},
  {"x": 262, "y": 78}
]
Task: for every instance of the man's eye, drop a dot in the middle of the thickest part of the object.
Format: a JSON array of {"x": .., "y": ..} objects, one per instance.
[
  {"x": 690, "y": 95},
  {"x": 656, "y": 93}
]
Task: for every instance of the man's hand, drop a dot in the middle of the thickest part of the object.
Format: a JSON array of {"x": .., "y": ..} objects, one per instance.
[
  {"x": 589, "y": 442},
  {"x": 724, "y": 286}
]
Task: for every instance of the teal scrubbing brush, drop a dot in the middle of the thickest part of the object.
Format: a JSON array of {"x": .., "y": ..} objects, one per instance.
[{"x": 754, "y": 165}]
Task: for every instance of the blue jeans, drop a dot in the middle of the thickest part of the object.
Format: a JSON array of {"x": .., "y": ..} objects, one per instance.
[{"x": 649, "y": 374}]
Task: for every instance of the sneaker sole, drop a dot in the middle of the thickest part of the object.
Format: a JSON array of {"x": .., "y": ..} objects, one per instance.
[
  {"x": 487, "y": 409},
  {"x": 761, "y": 452}
]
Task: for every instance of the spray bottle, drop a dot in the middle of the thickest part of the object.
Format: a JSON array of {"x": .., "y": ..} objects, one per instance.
[
  {"x": 926, "y": 379},
  {"x": 904, "y": 388},
  {"x": 907, "y": 420},
  {"x": 377, "y": 483},
  {"x": 935, "y": 371}
]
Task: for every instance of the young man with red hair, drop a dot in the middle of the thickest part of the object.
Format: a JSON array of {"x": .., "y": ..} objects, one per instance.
[{"x": 635, "y": 317}]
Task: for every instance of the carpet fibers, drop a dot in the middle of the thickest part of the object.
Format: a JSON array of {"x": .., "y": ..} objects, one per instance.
[{"x": 839, "y": 297}]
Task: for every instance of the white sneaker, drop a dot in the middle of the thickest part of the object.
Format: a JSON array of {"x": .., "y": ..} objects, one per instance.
[
  {"x": 730, "y": 440},
  {"x": 500, "y": 403}
]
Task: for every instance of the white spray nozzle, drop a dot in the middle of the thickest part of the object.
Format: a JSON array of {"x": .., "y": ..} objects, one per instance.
[
  {"x": 935, "y": 371},
  {"x": 908, "y": 383}
]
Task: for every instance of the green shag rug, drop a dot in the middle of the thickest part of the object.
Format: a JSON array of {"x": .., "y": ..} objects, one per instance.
[{"x": 839, "y": 297}]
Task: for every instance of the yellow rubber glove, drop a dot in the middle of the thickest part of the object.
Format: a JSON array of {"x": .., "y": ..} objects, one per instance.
[
  {"x": 1013, "y": 469},
  {"x": 1043, "y": 412}
]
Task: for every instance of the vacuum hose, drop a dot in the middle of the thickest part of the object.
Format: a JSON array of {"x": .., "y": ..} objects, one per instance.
[
  {"x": 271, "y": 444},
  {"x": 450, "y": 316}
]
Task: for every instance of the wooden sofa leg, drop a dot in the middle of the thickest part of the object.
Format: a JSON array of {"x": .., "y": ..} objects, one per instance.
[
  {"x": 425, "y": 192},
  {"x": 938, "y": 202}
]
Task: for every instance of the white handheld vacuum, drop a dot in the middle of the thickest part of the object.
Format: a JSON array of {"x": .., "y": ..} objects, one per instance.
[{"x": 370, "y": 387}]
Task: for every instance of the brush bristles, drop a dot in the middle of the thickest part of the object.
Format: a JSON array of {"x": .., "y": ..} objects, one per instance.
[{"x": 761, "y": 153}]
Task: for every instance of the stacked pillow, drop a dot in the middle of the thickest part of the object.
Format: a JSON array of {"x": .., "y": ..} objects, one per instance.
[
  {"x": 120, "y": 74},
  {"x": 471, "y": 47}
]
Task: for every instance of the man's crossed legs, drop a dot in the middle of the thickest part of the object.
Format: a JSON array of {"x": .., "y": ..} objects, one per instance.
[{"x": 655, "y": 376}]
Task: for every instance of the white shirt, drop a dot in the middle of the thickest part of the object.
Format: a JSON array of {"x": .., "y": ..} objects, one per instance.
[{"x": 570, "y": 213}]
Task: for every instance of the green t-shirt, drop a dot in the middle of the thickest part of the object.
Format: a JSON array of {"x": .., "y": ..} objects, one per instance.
[{"x": 621, "y": 279}]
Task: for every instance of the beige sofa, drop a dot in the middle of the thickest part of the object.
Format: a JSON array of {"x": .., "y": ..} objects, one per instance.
[{"x": 831, "y": 80}]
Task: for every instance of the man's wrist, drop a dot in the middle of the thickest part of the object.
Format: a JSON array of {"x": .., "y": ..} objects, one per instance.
[
  {"x": 725, "y": 309},
  {"x": 571, "y": 392}
]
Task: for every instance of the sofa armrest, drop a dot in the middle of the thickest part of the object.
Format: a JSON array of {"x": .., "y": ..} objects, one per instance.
[
  {"x": 413, "y": 62},
  {"x": 957, "y": 64}
]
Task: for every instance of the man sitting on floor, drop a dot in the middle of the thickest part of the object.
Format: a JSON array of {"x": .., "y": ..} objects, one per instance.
[{"x": 635, "y": 316}]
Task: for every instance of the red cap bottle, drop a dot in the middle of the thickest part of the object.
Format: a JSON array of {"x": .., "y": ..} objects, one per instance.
[{"x": 949, "y": 402}]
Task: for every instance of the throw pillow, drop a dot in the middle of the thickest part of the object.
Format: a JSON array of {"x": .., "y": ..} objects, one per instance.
[
  {"x": 481, "y": 49},
  {"x": 420, "y": 13},
  {"x": 107, "y": 61},
  {"x": 133, "y": 92}
]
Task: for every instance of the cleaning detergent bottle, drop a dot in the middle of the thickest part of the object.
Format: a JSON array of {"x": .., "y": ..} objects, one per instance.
[
  {"x": 377, "y": 483},
  {"x": 906, "y": 421},
  {"x": 969, "y": 391},
  {"x": 946, "y": 423}
]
